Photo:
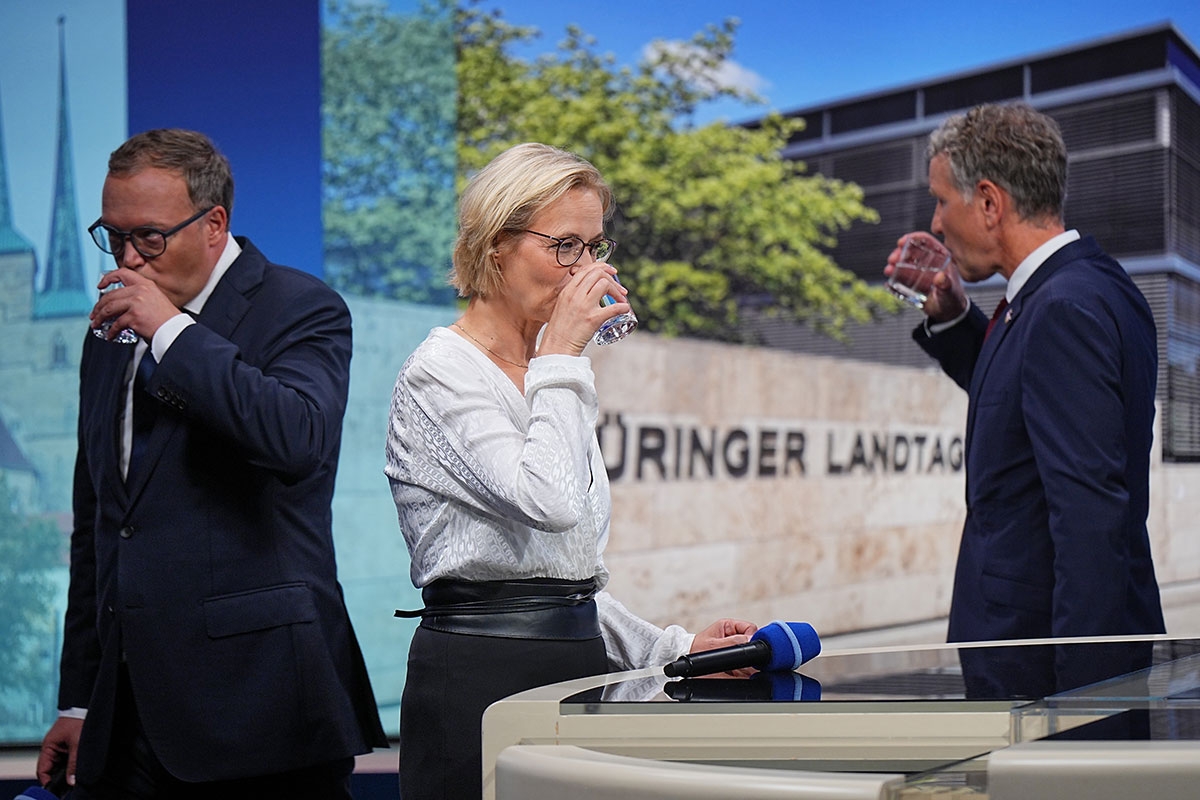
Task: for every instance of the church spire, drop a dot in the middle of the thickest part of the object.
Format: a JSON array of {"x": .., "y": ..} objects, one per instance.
[
  {"x": 10, "y": 240},
  {"x": 63, "y": 292}
]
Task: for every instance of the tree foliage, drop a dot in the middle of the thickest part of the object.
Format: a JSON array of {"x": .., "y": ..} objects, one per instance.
[
  {"x": 30, "y": 546},
  {"x": 388, "y": 150},
  {"x": 710, "y": 218}
]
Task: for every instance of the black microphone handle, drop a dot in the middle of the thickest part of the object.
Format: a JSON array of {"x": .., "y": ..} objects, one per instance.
[
  {"x": 719, "y": 690},
  {"x": 752, "y": 654}
]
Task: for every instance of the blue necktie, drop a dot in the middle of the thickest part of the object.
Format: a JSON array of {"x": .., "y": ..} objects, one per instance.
[{"x": 145, "y": 409}]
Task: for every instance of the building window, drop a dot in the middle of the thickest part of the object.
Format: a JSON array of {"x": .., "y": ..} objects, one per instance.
[{"x": 1180, "y": 397}]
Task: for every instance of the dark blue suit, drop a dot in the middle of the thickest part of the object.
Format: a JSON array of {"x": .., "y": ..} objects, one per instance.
[
  {"x": 211, "y": 574},
  {"x": 1059, "y": 433}
]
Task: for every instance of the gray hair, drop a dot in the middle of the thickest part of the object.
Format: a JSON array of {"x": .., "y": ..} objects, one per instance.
[{"x": 1017, "y": 148}]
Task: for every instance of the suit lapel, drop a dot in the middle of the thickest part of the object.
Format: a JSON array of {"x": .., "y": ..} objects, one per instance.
[
  {"x": 229, "y": 302},
  {"x": 991, "y": 347}
]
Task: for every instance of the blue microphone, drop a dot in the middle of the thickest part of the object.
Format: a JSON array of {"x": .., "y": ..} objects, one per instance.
[
  {"x": 773, "y": 647},
  {"x": 36, "y": 793}
]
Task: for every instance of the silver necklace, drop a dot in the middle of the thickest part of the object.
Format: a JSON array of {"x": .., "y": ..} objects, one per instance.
[{"x": 490, "y": 350}]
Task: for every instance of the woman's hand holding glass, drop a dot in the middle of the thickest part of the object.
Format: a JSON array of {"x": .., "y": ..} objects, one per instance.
[{"x": 581, "y": 309}]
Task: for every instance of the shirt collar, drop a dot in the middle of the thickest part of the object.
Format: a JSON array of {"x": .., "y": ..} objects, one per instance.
[
  {"x": 1026, "y": 268},
  {"x": 228, "y": 256}
]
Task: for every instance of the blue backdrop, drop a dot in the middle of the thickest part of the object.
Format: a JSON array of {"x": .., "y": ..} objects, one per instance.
[{"x": 249, "y": 75}]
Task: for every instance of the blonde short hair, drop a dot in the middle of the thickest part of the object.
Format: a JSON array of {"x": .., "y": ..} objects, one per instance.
[{"x": 503, "y": 197}]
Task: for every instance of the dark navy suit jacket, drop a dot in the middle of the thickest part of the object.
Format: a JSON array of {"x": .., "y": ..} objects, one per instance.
[
  {"x": 1059, "y": 433},
  {"x": 211, "y": 573}
]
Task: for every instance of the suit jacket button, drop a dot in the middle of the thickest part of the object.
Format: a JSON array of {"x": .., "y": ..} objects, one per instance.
[{"x": 127, "y": 532}]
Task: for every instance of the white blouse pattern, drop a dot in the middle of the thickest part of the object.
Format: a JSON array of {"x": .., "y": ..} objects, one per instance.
[{"x": 493, "y": 485}]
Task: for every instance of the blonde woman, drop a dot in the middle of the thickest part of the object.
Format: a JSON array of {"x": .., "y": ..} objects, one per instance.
[{"x": 501, "y": 491}]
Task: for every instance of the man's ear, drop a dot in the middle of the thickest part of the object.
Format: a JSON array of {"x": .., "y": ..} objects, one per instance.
[
  {"x": 216, "y": 224},
  {"x": 994, "y": 202}
]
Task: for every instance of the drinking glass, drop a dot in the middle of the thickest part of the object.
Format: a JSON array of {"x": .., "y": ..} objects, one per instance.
[
  {"x": 912, "y": 277},
  {"x": 127, "y": 335},
  {"x": 617, "y": 328}
]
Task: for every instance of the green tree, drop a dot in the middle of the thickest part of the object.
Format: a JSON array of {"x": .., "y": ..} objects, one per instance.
[
  {"x": 30, "y": 547},
  {"x": 388, "y": 150},
  {"x": 710, "y": 217}
]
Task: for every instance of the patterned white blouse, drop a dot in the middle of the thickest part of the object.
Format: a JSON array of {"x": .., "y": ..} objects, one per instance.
[{"x": 493, "y": 485}]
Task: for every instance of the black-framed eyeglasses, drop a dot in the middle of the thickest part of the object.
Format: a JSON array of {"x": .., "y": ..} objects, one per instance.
[
  {"x": 570, "y": 249},
  {"x": 149, "y": 242}
]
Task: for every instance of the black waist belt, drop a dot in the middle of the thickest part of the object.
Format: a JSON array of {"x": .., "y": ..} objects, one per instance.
[{"x": 535, "y": 608}]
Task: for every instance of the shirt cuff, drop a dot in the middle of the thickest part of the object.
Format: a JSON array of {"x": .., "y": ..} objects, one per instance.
[
  {"x": 938, "y": 327},
  {"x": 73, "y": 713},
  {"x": 165, "y": 336}
]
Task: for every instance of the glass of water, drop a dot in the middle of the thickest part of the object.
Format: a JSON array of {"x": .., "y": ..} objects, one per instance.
[
  {"x": 617, "y": 328},
  {"x": 127, "y": 335},
  {"x": 921, "y": 260}
]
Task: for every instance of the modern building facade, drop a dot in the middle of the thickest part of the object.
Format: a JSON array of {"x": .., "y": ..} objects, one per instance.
[{"x": 1129, "y": 109}]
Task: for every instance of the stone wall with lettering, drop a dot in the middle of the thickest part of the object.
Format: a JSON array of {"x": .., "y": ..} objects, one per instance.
[{"x": 770, "y": 485}]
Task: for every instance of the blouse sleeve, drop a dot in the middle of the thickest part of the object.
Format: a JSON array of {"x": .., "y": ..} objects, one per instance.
[
  {"x": 634, "y": 643},
  {"x": 488, "y": 459}
]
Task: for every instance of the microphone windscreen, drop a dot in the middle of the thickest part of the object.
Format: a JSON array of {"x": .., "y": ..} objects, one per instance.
[
  {"x": 36, "y": 793},
  {"x": 792, "y": 644}
]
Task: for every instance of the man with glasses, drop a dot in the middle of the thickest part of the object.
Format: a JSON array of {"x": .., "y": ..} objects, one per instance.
[{"x": 207, "y": 650}]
